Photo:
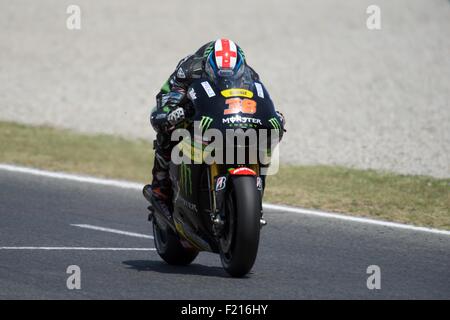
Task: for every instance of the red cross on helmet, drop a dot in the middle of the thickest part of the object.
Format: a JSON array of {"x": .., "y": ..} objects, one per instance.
[{"x": 225, "y": 53}]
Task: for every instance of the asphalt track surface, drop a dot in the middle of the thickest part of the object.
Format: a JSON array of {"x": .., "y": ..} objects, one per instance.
[{"x": 300, "y": 257}]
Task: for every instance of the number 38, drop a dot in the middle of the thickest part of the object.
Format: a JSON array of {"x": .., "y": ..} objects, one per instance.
[{"x": 236, "y": 105}]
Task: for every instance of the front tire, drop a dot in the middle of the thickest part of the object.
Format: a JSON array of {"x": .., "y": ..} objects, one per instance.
[
  {"x": 170, "y": 248},
  {"x": 240, "y": 241}
]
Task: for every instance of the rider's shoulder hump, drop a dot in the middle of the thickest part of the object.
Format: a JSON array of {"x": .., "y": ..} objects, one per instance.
[{"x": 190, "y": 67}]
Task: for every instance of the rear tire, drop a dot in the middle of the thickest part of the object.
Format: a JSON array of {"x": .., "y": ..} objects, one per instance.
[
  {"x": 170, "y": 248},
  {"x": 239, "y": 244}
]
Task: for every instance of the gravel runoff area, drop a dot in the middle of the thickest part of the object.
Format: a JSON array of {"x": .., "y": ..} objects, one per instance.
[{"x": 352, "y": 96}]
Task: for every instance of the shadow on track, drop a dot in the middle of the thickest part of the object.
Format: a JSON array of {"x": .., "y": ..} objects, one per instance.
[{"x": 162, "y": 267}]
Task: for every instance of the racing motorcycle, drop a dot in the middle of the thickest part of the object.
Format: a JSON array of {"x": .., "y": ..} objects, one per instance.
[{"x": 217, "y": 207}]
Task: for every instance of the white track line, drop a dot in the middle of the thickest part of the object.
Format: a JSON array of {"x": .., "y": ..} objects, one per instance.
[
  {"x": 353, "y": 219},
  {"x": 137, "y": 186},
  {"x": 77, "y": 248},
  {"x": 72, "y": 177},
  {"x": 125, "y": 233}
]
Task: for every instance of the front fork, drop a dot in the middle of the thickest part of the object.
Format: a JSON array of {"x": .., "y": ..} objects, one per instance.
[{"x": 218, "y": 179}]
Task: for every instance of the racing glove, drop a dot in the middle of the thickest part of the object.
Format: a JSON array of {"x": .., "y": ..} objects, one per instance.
[{"x": 176, "y": 116}]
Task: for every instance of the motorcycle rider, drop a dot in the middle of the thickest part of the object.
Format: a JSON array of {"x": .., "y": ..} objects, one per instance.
[{"x": 215, "y": 60}]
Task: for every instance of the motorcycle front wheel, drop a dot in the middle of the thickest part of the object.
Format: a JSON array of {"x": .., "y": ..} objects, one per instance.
[{"x": 240, "y": 239}]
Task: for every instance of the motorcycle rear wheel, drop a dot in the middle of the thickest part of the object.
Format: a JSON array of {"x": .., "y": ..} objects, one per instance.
[{"x": 170, "y": 248}]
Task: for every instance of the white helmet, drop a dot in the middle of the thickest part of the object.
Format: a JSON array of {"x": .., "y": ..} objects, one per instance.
[{"x": 225, "y": 59}]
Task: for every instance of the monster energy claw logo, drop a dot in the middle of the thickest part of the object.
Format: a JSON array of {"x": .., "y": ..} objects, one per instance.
[
  {"x": 185, "y": 179},
  {"x": 275, "y": 124},
  {"x": 205, "y": 122}
]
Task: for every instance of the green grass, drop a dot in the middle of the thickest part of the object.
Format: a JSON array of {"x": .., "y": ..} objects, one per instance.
[
  {"x": 416, "y": 200},
  {"x": 63, "y": 150}
]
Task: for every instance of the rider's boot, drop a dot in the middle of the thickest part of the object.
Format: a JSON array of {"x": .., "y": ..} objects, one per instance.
[{"x": 160, "y": 191}]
